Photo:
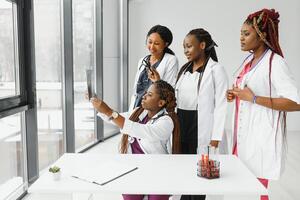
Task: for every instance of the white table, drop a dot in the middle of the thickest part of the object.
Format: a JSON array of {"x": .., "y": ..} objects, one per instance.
[{"x": 156, "y": 174}]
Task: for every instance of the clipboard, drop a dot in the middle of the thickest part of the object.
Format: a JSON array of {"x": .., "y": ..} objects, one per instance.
[
  {"x": 107, "y": 173},
  {"x": 89, "y": 180}
]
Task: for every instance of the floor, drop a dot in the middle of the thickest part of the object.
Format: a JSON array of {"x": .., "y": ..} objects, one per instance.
[{"x": 286, "y": 188}]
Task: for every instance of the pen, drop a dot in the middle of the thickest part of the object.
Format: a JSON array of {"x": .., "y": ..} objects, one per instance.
[
  {"x": 85, "y": 180},
  {"x": 119, "y": 176}
]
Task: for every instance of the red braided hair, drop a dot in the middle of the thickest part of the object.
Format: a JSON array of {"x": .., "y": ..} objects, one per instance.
[{"x": 266, "y": 21}]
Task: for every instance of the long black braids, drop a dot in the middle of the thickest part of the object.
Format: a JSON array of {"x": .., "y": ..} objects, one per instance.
[
  {"x": 210, "y": 52},
  {"x": 167, "y": 93}
]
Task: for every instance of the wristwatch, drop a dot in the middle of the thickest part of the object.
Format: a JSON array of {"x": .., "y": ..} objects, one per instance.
[{"x": 114, "y": 115}]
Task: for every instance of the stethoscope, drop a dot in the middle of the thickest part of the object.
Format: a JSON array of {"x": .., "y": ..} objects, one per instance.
[{"x": 253, "y": 68}]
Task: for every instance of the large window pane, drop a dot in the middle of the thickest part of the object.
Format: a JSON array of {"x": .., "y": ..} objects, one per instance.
[
  {"x": 12, "y": 178},
  {"x": 111, "y": 59},
  {"x": 9, "y": 65},
  {"x": 84, "y": 59},
  {"x": 48, "y": 54}
]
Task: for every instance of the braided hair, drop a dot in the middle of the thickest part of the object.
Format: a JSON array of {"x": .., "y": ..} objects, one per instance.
[
  {"x": 166, "y": 92},
  {"x": 165, "y": 34},
  {"x": 266, "y": 21},
  {"x": 210, "y": 51}
]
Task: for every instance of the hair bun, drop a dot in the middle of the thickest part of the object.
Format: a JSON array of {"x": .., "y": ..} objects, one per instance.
[{"x": 264, "y": 15}]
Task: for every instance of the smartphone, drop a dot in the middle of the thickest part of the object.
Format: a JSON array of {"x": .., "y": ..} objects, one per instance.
[{"x": 89, "y": 73}]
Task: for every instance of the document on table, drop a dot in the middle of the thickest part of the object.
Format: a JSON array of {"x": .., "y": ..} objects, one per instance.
[{"x": 107, "y": 173}]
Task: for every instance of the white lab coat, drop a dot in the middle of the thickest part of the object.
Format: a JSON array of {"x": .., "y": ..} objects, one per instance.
[
  {"x": 259, "y": 147},
  {"x": 167, "y": 69},
  {"x": 154, "y": 137},
  {"x": 212, "y": 103}
]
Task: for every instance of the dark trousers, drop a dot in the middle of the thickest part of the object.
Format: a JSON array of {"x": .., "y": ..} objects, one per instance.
[{"x": 188, "y": 120}]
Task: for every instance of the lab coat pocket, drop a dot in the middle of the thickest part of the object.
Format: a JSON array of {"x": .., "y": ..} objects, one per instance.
[{"x": 271, "y": 161}]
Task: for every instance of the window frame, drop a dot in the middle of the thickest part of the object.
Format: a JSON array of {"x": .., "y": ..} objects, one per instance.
[{"x": 17, "y": 103}]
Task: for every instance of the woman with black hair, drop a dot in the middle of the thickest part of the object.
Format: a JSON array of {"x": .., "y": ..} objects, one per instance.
[
  {"x": 161, "y": 58},
  {"x": 201, "y": 95},
  {"x": 264, "y": 91}
]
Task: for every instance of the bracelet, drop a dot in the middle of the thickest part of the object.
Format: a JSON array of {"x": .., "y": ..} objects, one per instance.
[{"x": 254, "y": 99}]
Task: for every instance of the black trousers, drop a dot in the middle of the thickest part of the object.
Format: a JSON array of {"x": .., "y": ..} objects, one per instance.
[{"x": 189, "y": 140}]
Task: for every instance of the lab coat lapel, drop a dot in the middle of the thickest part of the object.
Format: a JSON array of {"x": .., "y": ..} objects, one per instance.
[{"x": 207, "y": 72}]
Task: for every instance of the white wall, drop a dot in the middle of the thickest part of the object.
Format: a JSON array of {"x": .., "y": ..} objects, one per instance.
[{"x": 223, "y": 19}]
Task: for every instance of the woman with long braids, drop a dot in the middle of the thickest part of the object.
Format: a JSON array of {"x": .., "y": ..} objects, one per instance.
[
  {"x": 161, "y": 58},
  {"x": 201, "y": 95},
  {"x": 264, "y": 91},
  {"x": 149, "y": 128}
]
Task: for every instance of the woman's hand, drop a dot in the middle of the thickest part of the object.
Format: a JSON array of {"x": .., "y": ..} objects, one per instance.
[
  {"x": 229, "y": 95},
  {"x": 101, "y": 106},
  {"x": 245, "y": 94},
  {"x": 153, "y": 74},
  {"x": 214, "y": 143}
]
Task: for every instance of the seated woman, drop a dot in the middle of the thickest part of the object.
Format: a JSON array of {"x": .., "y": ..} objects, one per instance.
[{"x": 149, "y": 128}]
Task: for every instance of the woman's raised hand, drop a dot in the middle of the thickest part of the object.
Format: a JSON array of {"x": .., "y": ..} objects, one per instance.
[
  {"x": 101, "y": 106},
  {"x": 153, "y": 74}
]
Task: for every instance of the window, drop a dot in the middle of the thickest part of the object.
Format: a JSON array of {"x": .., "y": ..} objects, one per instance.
[
  {"x": 111, "y": 61},
  {"x": 48, "y": 54},
  {"x": 84, "y": 59},
  {"x": 12, "y": 172},
  {"x": 9, "y": 66}
]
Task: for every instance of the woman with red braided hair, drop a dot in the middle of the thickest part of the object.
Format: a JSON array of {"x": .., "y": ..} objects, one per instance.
[
  {"x": 263, "y": 92},
  {"x": 149, "y": 128}
]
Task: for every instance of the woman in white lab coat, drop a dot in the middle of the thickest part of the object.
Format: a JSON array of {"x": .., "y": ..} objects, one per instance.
[
  {"x": 201, "y": 95},
  {"x": 264, "y": 91},
  {"x": 149, "y": 128},
  {"x": 161, "y": 58}
]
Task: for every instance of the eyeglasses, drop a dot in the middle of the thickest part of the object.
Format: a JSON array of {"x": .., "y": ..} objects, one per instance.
[{"x": 145, "y": 62}]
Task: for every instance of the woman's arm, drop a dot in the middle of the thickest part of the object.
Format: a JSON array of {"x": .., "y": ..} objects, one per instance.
[
  {"x": 103, "y": 108},
  {"x": 281, "y": 104},
  {"x": 159, "y": 130}
]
